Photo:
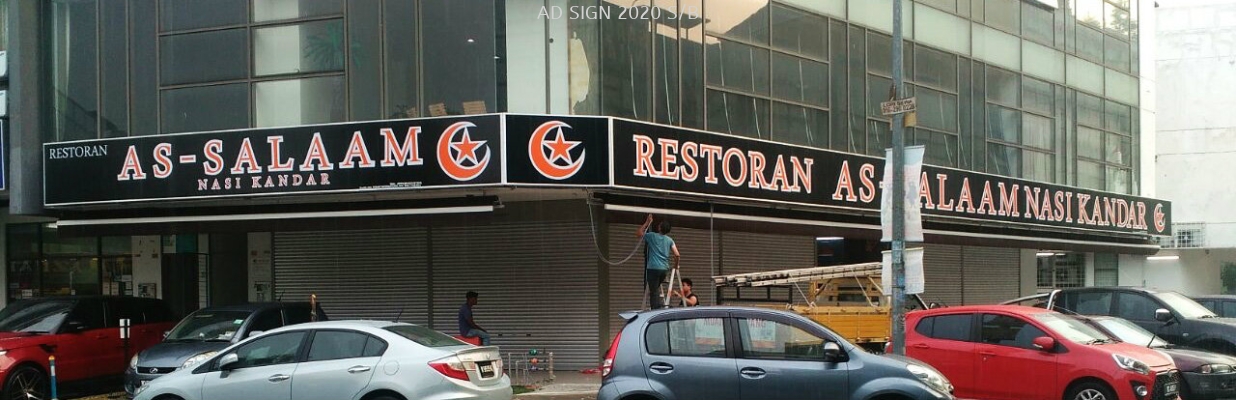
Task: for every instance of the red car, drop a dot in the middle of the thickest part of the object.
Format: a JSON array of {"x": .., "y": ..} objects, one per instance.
[
  {"x": 1025, "y": 353},
  {"x": 83, "y": 333}
]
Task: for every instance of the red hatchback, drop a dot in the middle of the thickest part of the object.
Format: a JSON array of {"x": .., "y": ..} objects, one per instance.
[{"x": 1024, "y": 353}]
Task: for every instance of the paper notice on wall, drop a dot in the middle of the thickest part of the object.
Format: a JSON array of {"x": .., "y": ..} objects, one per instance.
[
  {"x": 916, "y": 281},
  {"x": 914, "y": 215}
]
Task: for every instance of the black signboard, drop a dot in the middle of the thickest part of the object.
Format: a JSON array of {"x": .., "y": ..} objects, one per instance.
[
  {"x": 649, "y": 156},
  {"x": 401, "y": 154},
  {"x": 557, "y": 150}
]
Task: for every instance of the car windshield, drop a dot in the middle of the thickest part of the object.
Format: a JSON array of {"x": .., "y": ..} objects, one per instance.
[
  {"x": 424, "y": 336},
  {"x": 209, "y": 326},
  {"x": 1129, "y": 332},
  {"x": 34, "y": 315},
  {"x": 1186, "y": 307},
  {"x": 1072, "y": 329}
]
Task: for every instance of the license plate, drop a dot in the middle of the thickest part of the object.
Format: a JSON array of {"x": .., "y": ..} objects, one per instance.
[
  {"x": 487, "y": 369},
  {"x": 1170, "y": 388}
]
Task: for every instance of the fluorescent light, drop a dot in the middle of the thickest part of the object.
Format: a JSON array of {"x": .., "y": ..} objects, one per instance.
[
  {"x": 1162, "y": 258},
  {"x": 1045, "y": 254},
  {"x": 826, "y": 238}
]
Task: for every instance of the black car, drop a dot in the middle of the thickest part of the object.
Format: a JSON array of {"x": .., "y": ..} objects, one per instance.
[
  {"x": 198, "y": 336},
  {"x": 1207, "y": 375},
  {"x": 1223, "y": 305},
  {"x": 1192, "y": 324}
]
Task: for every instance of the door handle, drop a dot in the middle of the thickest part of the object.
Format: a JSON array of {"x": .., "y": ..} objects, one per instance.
[
  {"x": 988, "y": 353},
  {"x": 278, "y": 378},
  {"x": 752, "y": 372},
  {"x": 921, "y": 346},
  {"x": 358, "y": 369},
  {"x": 661, "y": 368}
]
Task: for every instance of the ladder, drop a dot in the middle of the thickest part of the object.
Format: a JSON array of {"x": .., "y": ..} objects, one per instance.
[{"x": 792, "y": 276}]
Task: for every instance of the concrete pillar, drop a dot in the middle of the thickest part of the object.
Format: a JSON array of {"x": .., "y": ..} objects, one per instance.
[{"x": 27, "y": 94}]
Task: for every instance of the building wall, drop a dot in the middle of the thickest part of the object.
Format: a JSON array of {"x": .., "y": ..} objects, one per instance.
[{"x": 1196, "y": 140}]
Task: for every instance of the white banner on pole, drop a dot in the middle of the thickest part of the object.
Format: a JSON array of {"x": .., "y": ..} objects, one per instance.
[
  {"x": 916, "y": 281},
  {"x": 914, "y": 214}
]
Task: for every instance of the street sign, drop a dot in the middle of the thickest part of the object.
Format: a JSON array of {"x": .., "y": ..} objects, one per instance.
[{"x": 898, "y": 106}]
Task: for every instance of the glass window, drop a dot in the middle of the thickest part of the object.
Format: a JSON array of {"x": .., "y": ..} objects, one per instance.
[
  {"x": 1130, "y": 333},
  {"x": 401, "y": 59},
  {"x": 773, "y": 340},
  {"x": 1093, "y": 303},
  {"x": 334, "y": 345},
  {"x": 1229, "y": 309},
  {"x": 1117, "y": 118},
  {"x": 304, "y": 48},
  {"x": 738, "y": 66},
  {"x": 265, "y": 321},
  {"x": 270, "y": 10},
  {"x": 946, "y": 5},
  {"x": 1004, "y": 14},
  {"x": 203, "y": 57},
  {"x": 34, "y": 315},
  {"x": 936, "y": 110},
  {"x": 1116, "y": 20},
  {"x": 1037, "y": 131},
  {"x": 1090, "y": 175},
  {"x": 1119, "y": 149},
  {"x": 89, "y": 312},
  {"x": 1037, "y": 96},
  {"x": 799, "y": 32},
  {"x": 114, "y": 74},
  {"x": 374, "y": 347},
  {"x": 1183, "y": 306},
  {"x": 1004, "y": 330},
  {"x": 879, "y": 138},
  {"x": 1003, "y": 124},
  {"x": 737, "y": 114},
  {"x": 1118, "y": 179},
  {"x": 1037, "y": 24},
  {"x": 880, "y": 54},
  {"x": 365, "y": 60},
  {"x": 1039, "y": 166},
  {"x": 465, "y": 82},
  {"x": 666, "y": 86},
  {"x": 75, "y": 73},
  {"x": 800, "y": 80},
  {"x": 700, "y": 337},
  {"x": 205, "y": 108},
  {"x": 878, "y": 89},
  {"x": 740, "y": 19},
  {"x": 1136, "y": 307},
  {"x": 299, "y": 101},
  {"x": 1116, "y": 54},
  {"x": 941, "y": 147},
  {"x": 1089, "y": 43},
  {"x": 1089, "y": 110},
  {"x": 209, "y": 326},
  {"x": 176, "y": 15},
  {"x": 935, "y": 68},
  {"x": 143, "y": 65},
  {"x": 271, "y": 350},
  {"x": 1089, "y": 11},
  {"x": 22, "y": 240},
  {"x": 800, "y": 125},
  {"x": 925, "y": 326},
  {"x": 1003, "y": 86},
  {"x": 1004, "y": 160},
  {"x": 424, "y": 336},
  {"x": 952, "y": 327},
  {"x": 1070, "y": 328}
]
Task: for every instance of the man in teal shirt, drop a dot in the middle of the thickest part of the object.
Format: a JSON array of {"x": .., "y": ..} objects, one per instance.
[{"x": 657, "y": 259}]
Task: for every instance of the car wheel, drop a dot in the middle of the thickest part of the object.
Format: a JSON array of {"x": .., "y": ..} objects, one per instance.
[
  {"x": 382, "y": 398},
  {"x": 1090, "y": 391},
  {"x": 26, "y": 383}
]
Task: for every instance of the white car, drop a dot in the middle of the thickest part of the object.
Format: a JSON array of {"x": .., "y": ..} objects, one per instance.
[{"x": 341, "y": 360}]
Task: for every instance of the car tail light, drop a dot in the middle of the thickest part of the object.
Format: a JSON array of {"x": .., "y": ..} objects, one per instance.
[
  {"x": 888, "y": 347},
  {"x": 450, "y": 366},
  {"x": 608, "y": 365}
]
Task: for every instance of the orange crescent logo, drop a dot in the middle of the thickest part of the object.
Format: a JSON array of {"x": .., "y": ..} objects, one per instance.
[
  {"x": 1159, "y": 224},
  {"x": 559, "y": 149},
  {"x": 453, "y": 165}
]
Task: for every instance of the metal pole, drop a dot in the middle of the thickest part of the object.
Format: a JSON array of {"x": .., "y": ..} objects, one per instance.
[{"x": 899, "y": 194}]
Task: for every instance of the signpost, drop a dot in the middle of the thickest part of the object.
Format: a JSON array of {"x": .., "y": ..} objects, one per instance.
[
  {"x": 894, "y": 107},
  {"x": 899, "y": 189}
]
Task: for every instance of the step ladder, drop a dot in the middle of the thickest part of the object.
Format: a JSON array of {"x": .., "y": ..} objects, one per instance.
[{"x": 792, "y": 276}]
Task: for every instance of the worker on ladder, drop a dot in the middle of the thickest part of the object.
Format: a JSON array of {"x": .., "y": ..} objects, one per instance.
[{"x": 661, "y": 254}]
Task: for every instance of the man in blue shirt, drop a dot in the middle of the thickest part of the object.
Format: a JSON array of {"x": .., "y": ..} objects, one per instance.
[
  {"x": 660, "y": 255},
  {"x": 468, "y": 327}
]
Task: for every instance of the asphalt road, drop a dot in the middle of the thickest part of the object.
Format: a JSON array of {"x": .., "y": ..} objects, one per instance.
[{"x": 535, "y": 396}]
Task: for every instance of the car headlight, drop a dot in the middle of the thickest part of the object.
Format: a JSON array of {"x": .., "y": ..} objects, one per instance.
[
  {"x": 197, "y": 359},
  {"x": 1214, "y": 369},
  {"x": 1131, "y": 364},
  {"x": 931, "y": 378},
  {"x": 133, "y": 362}
]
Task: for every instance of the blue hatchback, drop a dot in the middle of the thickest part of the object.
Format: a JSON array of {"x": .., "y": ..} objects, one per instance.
[{"x": 737, "y": 353}]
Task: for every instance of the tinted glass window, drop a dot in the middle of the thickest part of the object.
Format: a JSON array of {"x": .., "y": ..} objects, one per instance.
[
  {"x": 34, "y": 315},
  {"x": 265, "y": 321},
  {"x": 1004, "y": 330},
  {"x": 205, "y": 108},
  {"x": 203, "y": 57},
  {"x": 271, "y": 10},
  {"x": 924, "y": 326},
  {"x": 177, "y": 15},
  {"x": 687, "y": 337},
  {"x": 1137, "y": 307},
  {"x": 1093, "y": 303},
  {"x": 275, "y": 349},
  {"x": 1210, "y": 305},
  {"x": 424, "y": 336},
  {"x": 90, "y": 313},
  {"x": 775, "y": 340},
  {"x": 209, "y": 326},
  {"x": 952, "y": 327},
  {"x": 123, "y": 308},
  {"x": 1229, "y": 308},
  {"x": 374, "y": 347},
  {"x": 334, "y": 345}
]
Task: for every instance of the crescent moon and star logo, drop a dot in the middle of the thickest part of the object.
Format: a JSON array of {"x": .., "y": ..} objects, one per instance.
[
  {"x": 1160, "y": 223},
  {"x": 552, "y": 157},
  {"x": 458, "y": 158}
]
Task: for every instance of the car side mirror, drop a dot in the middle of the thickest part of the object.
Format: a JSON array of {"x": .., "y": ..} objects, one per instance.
[
  {"x": 1162, "y": 315},
  {"x": 255, "y": 333},
  {"x": 229, "y": 362},
  {"x": 166, "y": 333},
  {"x": 1044, "y": 343},
  {"x": 832, "y": 351}
]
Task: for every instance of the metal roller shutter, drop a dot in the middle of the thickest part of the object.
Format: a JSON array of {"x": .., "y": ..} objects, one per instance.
[
  {"x": 755, "y": 252},
  {"x": 626, "y": 281},
  {"x": 537, "y": 285},
  {"x": 368, "y": 274},
  {"x": 992, "y": 274},
  {"x": 942, "y": 267}
]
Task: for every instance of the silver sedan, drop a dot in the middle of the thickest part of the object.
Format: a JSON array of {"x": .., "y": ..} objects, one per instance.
[{"x": 341, "y": 360}]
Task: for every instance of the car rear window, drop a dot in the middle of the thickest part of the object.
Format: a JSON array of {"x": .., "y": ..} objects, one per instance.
[{"x": 424, "y": 336}]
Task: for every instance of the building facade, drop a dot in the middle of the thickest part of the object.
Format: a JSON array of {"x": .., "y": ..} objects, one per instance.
[{"x": 389, "y": 156}]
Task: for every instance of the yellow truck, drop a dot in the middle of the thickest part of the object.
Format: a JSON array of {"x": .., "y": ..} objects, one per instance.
[{"x": 848, "y": 299}]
